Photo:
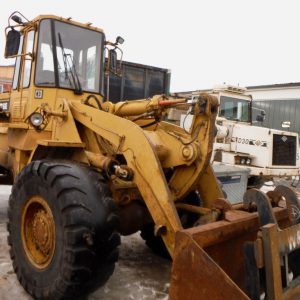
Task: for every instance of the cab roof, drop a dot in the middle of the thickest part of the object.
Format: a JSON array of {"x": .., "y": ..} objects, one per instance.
[{"x": 66, "y": 20}]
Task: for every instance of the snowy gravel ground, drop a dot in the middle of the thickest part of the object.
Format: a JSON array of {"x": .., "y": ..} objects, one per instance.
[{"x": 139, "y": 274}]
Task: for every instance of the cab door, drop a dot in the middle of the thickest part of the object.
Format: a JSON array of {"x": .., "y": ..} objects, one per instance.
[{"x": 21, "y": 79}]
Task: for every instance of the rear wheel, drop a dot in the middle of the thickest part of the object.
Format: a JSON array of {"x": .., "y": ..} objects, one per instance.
[
  {"x": 156, "y": 243},
  {"x": 61, "y": 230}
]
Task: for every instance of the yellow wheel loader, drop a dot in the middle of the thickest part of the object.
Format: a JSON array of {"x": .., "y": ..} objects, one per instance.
[{"x": 85, "y": 171}]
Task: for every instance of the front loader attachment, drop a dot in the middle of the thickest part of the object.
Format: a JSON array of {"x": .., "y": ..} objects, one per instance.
[{"x": 246, "y": 255}]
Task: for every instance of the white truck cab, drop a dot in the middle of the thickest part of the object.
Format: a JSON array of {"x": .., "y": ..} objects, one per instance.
[{"x": 265, "y": 152}]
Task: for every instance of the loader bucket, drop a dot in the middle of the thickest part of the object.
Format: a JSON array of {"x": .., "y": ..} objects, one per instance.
[{"x": 240, "y": 257}]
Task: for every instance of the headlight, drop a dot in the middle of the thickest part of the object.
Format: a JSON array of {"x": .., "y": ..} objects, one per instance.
[
  {"x": 242, "y": 160},
  {"x": 36, "y": 119},
  {"x": 4, "y": 106}
]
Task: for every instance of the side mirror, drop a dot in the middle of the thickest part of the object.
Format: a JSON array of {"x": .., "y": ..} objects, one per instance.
[
  {"x": 113, "y": 60},
  {"x": 119, "y": 40},
  {"x": 12, "y": 43}
]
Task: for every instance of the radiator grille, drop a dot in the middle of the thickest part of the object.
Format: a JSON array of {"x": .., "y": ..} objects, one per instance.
[
  {"x": 284, "y": 150},
  {"x": 18, "y": 108}
]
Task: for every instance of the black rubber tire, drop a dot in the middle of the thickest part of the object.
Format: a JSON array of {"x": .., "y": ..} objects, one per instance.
[
  {"x": 156, "y": 243},
  {"x": 85, "y": 221}
]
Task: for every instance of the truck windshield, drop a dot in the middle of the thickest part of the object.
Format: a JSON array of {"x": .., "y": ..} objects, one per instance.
[
  {"x": 235, "y": 109},
  {"x": 69, "y": 57}
]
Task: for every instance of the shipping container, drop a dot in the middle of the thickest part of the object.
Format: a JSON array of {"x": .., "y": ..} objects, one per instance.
[{"x": 137, "y": 81}]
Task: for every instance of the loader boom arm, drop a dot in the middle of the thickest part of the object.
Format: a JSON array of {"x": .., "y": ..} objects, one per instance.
[{"x": 140, "y": 153}]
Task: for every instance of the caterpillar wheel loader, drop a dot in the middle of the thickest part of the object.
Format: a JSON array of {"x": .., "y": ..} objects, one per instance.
[{"x": 85, "y": 171}]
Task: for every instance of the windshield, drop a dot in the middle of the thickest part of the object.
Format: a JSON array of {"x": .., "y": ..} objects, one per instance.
[
  {"x": 235, "y": 109},
  {"x": 69, "y": 57}
]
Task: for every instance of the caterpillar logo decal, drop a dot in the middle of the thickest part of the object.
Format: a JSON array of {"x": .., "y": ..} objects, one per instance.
[{"x": 252, "y": 142}]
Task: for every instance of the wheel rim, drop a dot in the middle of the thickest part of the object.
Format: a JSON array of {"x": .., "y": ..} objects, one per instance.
[{"x": 38, "y": 232}]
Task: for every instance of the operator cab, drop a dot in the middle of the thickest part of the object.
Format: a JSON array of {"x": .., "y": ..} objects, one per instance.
[
  {"x": 56, "y": 59},
  {"x": 66, "y": 56},
  {"x": 235, "y": 104}
]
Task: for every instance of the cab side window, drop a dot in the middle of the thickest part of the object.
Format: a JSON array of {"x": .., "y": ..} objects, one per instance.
[
  {"x": 44, "y": 64},
  {"x": 17, "y": 65},
  {"x": 28, "y": 60}
]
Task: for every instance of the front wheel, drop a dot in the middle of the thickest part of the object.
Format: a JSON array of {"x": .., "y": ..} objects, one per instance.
[{"x": 61, "y": 230}]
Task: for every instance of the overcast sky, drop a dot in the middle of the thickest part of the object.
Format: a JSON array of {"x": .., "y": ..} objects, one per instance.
[{"x": 203, "y": 43}]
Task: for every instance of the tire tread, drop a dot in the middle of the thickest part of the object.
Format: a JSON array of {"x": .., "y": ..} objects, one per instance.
[{"x": 85, "y": 263}]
